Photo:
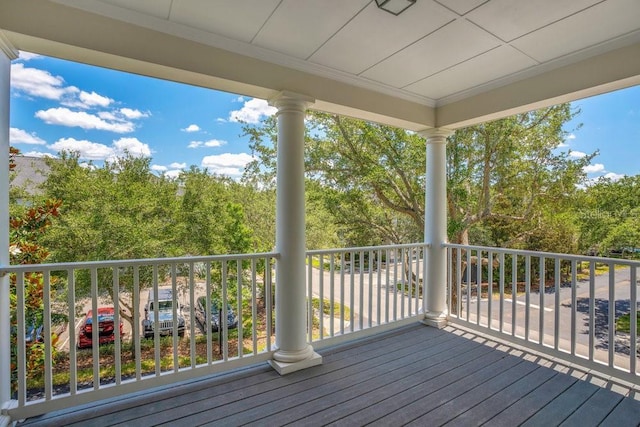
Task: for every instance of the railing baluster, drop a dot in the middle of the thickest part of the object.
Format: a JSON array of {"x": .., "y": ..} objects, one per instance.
[
  {"x": 574, "y": 301},
  {"x": 478, "y": 286},
  {"x": 458, "y": 281},
  {"x": 592, "y": 308},
  {"x": 342, "y": 266},
  {"x": 527, "y": 296},
  {"x": 117, "y": 345},
  {"x": 370, "y": 266},
  {"x": 192, "y": 315},
  {"x": 95, "y": 350},
  {"x": 468, "y": 284},
  {"x": 321, "y": 297},
  {"x": 387, "y": 272},
  {"x": 223, "y": 308},
  {"x": 556, "y": 305},
  {"x": 612, "y": 312},
  {"x": 502, "y": 270},
  {"x": 351, "y": 292},
  {"x": 207, "y": 314},
  {"x": 514, "y": 292},
  {"x": 71, "y": 312},
  {"x": 136, "y": 322},
  {"x": 239, "y": 313},
  {"x": 310, "y": 298},
  {"x": 379, "y": 275},
  {"x": 361, "y": 265},
  {"x": 332, "y": 271},
  {"x": 254, "y": 309},
  {"x": 489, "y": 288},
  {"x": 633, "y": 319},
  {"x": 395, "y": 284},
  {"x": 156, "y": 324},
  {"x": 174, "y": 334},
  {"x": 541, "y": 289},
  {"x": 20, "y": 339},
  {"x": 269, "y": 303}
]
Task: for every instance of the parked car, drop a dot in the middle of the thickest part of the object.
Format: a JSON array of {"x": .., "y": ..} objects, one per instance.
[
  {"x": 106, "y": 329},
  {"x": 212, "y": 316},
  {"x": 164, "y": 307}
]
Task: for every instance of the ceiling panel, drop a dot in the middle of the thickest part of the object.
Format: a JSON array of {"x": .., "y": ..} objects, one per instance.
[
  {"x": 237, "y": 19},
  {"x": 299, "y": 27},
  {"x": 509, "y": 19},
  {"x": 373, "y": 35},
  {"x": 461, "y": 6},
  {"x": 498, "y": 62},
  {"x": 158, "y": 8},
  {"x": 613, "y": 18},
  {"x": 448, "y": 46}
]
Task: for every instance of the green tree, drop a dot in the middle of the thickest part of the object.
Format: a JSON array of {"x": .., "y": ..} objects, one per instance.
[{"x": 118, "y": 211}]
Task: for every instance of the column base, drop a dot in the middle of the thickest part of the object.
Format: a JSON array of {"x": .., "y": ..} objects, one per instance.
[
  {"x": 436, "y": 320},
  {"x": 286, "y": 362}
]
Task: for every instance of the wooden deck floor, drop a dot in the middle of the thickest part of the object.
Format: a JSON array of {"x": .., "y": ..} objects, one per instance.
[{"x": 414, "y": 376}]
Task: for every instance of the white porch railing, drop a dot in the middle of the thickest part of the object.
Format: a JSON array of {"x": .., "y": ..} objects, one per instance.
[
  {"x": 566, "y": 306},
  {"x": 559, "y": 306},
  {"x": 361, "y": 291},
  {"x": 133, "y": 363}
]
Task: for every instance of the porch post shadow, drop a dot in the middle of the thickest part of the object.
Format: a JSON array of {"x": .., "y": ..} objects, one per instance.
[
  {"x": 7, "y": 53},
  {"x": 435, "y": 228},
  {"x": 292, "y": 353}
]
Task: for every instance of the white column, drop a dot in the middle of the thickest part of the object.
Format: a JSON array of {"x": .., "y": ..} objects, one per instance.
[
  {"x": 435, "y": 227},
  {"x": 7, "y": 53},
  {"x": 293, "y": 352}
]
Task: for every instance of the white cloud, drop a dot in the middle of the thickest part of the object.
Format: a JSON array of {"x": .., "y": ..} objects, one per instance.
[
  {"x": 133, "y": 114},
  {"x": 159, "y": 168},
  {"x": 90, "y": 150},
  {"x": 577, "y": 154},
  {"x": 571, "y": 136},
  {"x": 132, "y": 146},
  {"x": 39, "y": 83},
  {"x": 38, "y": 154},
  {"x": 614, "y": 176},
  {"x": 209, "y": 143},
  {"x": 173, "y": 173},
  {"x": 598, "y": 167},
  {"x": 86, "y": 149},
  {"x": 252, "y": 111},
  {"x": 28, "y": 56},
  {"x": 227, "y": 163},
  {"x": 238, "y": 99},
  {"x": 65, "y": 117},
  {"x": 93, "y": 99},
  {"x": 176, "y": 165},
  {"x": 221, "y": 120},
  {"x": 191, "y": 128},
  {"x": 19, "y": 136}
]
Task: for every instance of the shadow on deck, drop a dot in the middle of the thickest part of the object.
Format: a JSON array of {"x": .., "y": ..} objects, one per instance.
[{"x": 414, "y": 375}]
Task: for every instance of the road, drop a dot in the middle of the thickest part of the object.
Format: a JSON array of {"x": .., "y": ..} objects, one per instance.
[{"x": 548, "y": 314}]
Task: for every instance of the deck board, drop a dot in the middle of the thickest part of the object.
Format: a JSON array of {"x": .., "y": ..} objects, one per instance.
[{"x": 414, "y": 375}]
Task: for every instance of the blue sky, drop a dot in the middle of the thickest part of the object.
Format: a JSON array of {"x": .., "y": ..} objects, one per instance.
[{"x": 100, "y": 113}]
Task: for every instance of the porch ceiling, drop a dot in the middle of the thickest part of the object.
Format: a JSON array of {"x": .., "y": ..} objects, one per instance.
[{"x": 446, "y": 63}]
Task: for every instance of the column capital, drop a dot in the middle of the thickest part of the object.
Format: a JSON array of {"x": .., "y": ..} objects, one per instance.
[
  {"x": 291, "y": 101},
  {"x": 436, "y": 135},
  {"x": 7, "y": 47}
]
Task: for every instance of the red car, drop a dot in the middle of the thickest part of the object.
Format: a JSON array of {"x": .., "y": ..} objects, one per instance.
[{"x": 105, "y": 327}]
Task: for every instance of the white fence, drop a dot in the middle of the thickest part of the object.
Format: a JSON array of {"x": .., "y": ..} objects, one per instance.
[
  {"x": 54, "y": 373},
  {"x": 577, "y": 308},
  {"x": 363, "y": 290}
]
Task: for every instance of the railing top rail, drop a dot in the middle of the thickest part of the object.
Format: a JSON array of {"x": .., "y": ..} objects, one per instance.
[
  {"x": 366, "y": 248},
  {"x": 570, "y": 257},
  {"x": 133, "y": 262}
]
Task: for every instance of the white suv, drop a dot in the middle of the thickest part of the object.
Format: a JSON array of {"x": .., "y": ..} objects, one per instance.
[{"x": 164, "y": 307}]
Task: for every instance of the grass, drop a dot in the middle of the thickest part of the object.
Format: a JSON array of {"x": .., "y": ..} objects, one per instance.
[
  {"x": 623, "y": 324},
  {"x": 326, "y": 307}
]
